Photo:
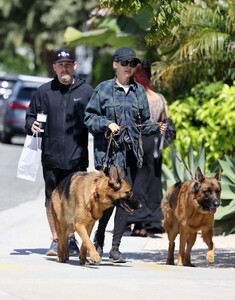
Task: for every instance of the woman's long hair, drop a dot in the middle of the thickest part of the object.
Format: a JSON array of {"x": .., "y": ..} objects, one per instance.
[{"x": 143, "y": 75}]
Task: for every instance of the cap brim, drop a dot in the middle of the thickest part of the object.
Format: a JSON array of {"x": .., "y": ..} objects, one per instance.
[
  {"x": 64, "y": 59},
  {"x": 129, "y": 57}
]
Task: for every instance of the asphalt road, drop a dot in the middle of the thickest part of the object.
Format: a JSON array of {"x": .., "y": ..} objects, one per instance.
[
  {"x": 15, "y": 191},
  {"x": 27, "y": 274}
]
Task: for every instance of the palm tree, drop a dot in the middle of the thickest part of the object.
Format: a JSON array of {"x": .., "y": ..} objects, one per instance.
[{"x": 202, "y": 47}]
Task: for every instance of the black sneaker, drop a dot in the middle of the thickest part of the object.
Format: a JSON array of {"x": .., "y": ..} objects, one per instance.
[
  {"x": 99, "y": 249},
  {"x": 116, "y": 256}
]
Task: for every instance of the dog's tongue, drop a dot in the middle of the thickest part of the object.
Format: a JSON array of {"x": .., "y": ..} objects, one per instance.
[{"x": 213, "y": 210}]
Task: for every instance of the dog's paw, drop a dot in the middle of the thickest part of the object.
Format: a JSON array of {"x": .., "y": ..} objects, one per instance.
[
  {"x": 61, "y": 260},
  {"x": 62, "y": 257},
  {"x": 84, "y": 262},
  {"x": 96, "y": 259},
  {"x": 170, "y": 262},
  {"x": 188, "y": 264}
]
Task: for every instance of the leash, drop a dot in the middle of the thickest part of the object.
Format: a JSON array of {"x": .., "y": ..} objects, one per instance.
[
  {"x": 109, "y": 135},
  {"x": 139, "y": 125},
  {"x": 181, "y": 161}
]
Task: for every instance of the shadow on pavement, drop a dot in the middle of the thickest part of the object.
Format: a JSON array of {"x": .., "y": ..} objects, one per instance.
[
  {"x": 41, "y": 251},
  {"x": 223, "y": 258}
]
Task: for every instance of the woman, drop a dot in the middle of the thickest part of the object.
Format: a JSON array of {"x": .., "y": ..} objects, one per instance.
[
  {"x": 148, "y": 187},
  {"x": 118, "y": 109}
]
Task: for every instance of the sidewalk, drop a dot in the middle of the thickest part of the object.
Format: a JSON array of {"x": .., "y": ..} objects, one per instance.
[{"x": 26, "y": 273}]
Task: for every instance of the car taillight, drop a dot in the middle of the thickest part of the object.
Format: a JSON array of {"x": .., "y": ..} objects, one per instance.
[{"x": 16, "y": 105}]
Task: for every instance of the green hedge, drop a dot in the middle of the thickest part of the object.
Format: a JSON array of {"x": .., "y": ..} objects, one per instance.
[{"x": 205, "y": 116}]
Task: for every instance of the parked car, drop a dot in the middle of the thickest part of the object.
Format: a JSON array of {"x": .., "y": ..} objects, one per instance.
[
  {"x": 7, "y": 83},
  {"x": 13, "y": 110}
]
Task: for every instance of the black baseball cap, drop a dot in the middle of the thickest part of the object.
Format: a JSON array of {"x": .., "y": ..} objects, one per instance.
[
  {"x": 125, "y": 54},
  {"x": 64, "y": 55}
]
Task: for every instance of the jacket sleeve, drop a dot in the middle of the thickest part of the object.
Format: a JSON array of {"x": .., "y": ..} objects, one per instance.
[
  {"x": 31, "y": 113},
  {"x": 94, "y": 119}
]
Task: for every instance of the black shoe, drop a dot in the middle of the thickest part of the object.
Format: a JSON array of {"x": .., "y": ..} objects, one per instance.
[
  {"x": 99, "y": 243},
  {"x": 99, "y": 249},
  {"x": 116, "y": 256}
]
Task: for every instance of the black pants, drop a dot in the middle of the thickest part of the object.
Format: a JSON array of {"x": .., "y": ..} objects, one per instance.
[
  {"x": 52, "y": 178},
  {"x": 121, "y": 216}
]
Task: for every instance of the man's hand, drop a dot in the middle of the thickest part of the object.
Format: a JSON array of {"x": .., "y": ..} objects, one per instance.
[{"x": 35, "y": 127}]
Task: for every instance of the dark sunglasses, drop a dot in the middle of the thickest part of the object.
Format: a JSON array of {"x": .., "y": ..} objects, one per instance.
[{"x": 132, "y": 63}]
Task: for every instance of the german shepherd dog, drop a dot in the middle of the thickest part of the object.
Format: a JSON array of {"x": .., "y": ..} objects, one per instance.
[
  {"x": 187, "y": 208},
  {"x": 80, "y": 200}
]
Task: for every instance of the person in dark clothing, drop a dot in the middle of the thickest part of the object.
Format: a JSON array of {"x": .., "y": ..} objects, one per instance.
[
  {"x": 118, "y": 108},
  {"x": 148, "y": 185},
  {"x": 65, "y": 138}
]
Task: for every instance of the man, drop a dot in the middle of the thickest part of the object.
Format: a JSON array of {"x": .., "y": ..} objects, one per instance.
[{"x": 65, "y": 137}]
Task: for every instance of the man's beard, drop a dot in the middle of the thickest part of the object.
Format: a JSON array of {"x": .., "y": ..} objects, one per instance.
[{"x": 66, "y": 79}]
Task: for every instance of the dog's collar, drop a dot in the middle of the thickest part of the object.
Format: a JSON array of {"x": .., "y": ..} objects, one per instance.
[{"x": 96, "y": 196}]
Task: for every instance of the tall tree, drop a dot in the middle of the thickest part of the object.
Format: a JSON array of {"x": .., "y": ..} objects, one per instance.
[
  {"x": 165, "y": 14},
  {"x": 194, "y": 39},
  {"x": 39, "y": 25},
  {"x": 202, "y": 47}
]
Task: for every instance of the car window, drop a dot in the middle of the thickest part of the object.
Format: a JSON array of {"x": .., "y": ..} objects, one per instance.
[{"x": 26, "y": 93}]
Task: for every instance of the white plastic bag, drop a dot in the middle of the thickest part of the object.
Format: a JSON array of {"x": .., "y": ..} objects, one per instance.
[{"x": 30, "y": 158}]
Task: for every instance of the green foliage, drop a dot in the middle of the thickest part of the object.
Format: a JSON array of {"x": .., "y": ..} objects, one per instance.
[
  {"x": 127, "y": 7},
  {"x": 200, "y": 47},
  {"x": 39, "y": 26},
  {"x": 225, "y": 215},
  {"x": 165, "y": 14},
  {"x": 101, "y": 63},
  {"x": 182, "y": 170},
  {"x": 115, "y": 31},
  {"x": 14, "y": 63},
  {"x": 206, "y": 116}
]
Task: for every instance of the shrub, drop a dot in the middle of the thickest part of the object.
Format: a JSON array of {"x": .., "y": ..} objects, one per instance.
[{"x": 206, "y": 116}]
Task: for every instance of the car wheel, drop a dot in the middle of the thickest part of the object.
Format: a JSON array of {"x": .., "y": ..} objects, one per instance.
[{"x": 6, "y": 138}]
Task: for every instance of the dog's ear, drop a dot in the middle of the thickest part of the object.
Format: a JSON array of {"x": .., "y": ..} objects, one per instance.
[
  {"x": 121, "y": 172},
  {"x": 199, "y": 176},
  {"x": 114, "y": 181},
  {"x": 218, "y": 175}
]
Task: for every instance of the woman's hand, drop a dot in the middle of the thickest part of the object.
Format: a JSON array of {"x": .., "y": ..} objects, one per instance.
[
  {"x": 114, "y": 128},
  {"x": 163, "y": 127}
]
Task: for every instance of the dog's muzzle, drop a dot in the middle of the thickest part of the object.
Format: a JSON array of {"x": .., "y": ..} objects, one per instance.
[
  {"x": 130, "y": 204},
  {"x": 210, "y": 205}
]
